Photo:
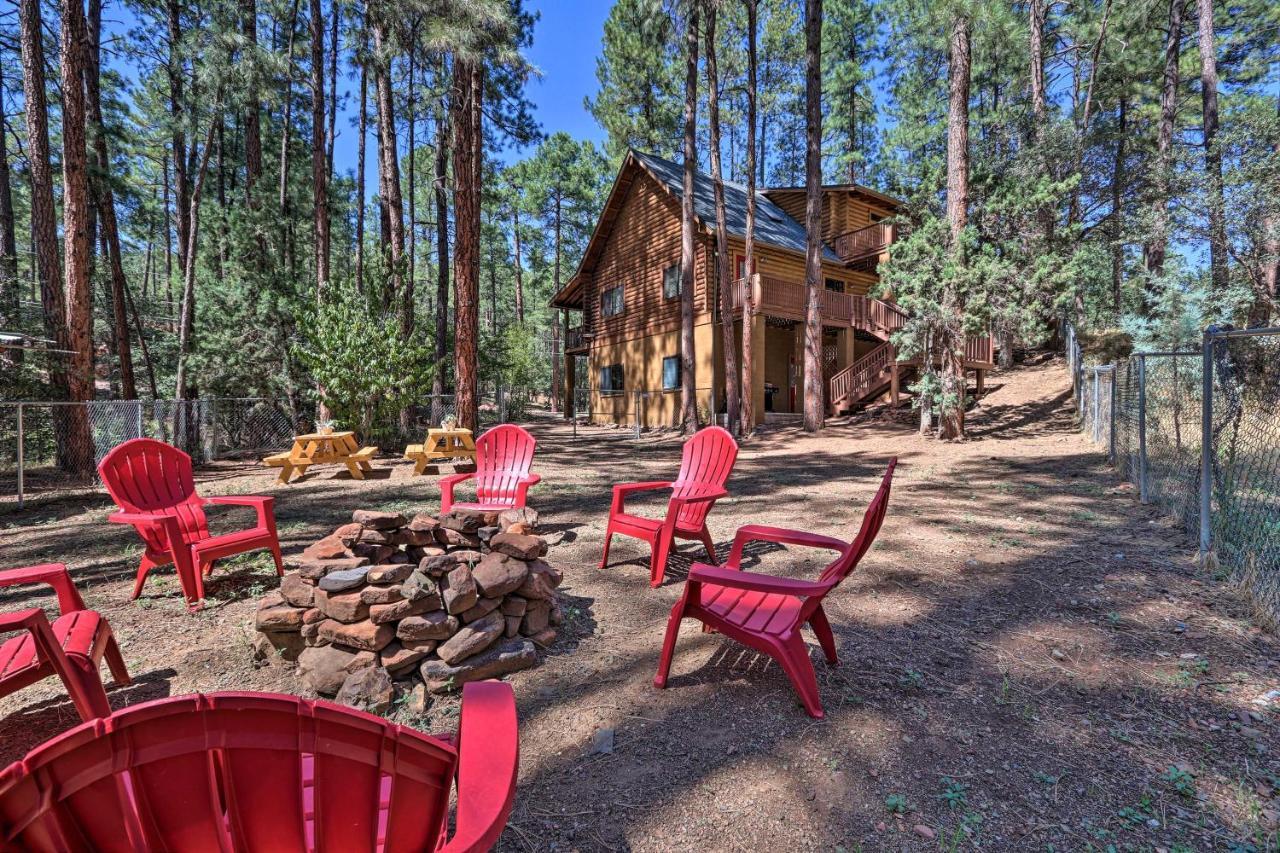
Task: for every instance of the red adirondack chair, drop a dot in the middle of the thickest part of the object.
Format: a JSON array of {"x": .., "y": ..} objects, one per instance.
[
  {"x": 766, "y": 613},
  {"x": 70, "y": 648},
  {"x": 260, "y": 771},
  {"x": 152, "y": 483},
  {"x": 705, "y": 465},
  {"x": 504, "y": 455}
]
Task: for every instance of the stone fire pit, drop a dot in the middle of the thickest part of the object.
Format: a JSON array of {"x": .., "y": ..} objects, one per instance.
[{"x": 387, "y": 605}]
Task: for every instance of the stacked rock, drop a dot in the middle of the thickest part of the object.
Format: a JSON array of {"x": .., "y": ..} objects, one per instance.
[{"x": 386, "y": 599}]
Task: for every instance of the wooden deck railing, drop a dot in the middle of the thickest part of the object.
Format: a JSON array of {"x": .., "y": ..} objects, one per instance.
[
  {"x": 860, "y": 378},
  {"x": 877, "y": 315},
  {"x": 575, "y": 338},
  {"x": 785, "y": 298},
  {"x": 864, "y": 242}
]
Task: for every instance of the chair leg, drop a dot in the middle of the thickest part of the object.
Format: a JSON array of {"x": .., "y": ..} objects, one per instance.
[
  {"x": 115, "y": 661},
  {"x": 669, "y": 645},
  {"x": 822, "y": 628},
  {"x": 709, "y": 545},
  {"x": 275, "y": 552},
  {"x": 144, "y": 568},
  {"x": 87, "y": 692},
  {"x": 794, "y": 657},
  {"x": 659, "y": 549},
  {"x": 608, "y": 538}
]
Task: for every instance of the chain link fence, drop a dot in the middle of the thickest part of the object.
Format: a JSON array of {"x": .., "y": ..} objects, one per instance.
[
  {"x": 50, "y": 447},
  {"x": 1198, "y": 432}
]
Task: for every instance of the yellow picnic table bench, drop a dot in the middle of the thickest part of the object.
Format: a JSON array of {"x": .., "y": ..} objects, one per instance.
[
  {"x": 441, "y": 444},
  {"x": 323, "y": 448}
]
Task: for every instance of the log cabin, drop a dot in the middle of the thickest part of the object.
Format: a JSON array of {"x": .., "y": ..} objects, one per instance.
[{"x": 622, "y": 356}]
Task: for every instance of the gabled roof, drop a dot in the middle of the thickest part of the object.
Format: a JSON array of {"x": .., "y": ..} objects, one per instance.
[{"x": 773, "y": 227}]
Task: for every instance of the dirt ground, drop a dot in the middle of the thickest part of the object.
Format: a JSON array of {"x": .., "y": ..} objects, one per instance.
[{"x": 1030, "y": 659}]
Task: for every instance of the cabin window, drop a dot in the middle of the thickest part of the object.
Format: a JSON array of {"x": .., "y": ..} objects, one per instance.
[
  {"x": 671, "y": 373},
  {"x": 611, "y": 379},
  {"x": 671, "y": 281},
  {"x": 611, "y": 301},
  {"x": 835, "y": 284}
]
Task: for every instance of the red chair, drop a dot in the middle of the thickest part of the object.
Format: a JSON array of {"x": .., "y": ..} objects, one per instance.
[
  {"x": 71, "y": 648},
  {"x": 705, "y": 465},
  {"x": 504, "y": 455},
  {"x": 152, "y": 483},
  {"x": 766, "y": 613},
  {"x": 260, "y": 771}
]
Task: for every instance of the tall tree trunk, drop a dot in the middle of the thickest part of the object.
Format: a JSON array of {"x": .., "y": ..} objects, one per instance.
[
  {"x": 363, "y": 131},
  {"x": 106, "y": 205},
  {"x": 252, "y": 116},
  {"x": 70, "y": 433},
  {"x": 748, "y": 267},
  {"x": 688, "y": 246},
  {"x": 335, "y": 12},
  {"x": 439, "y": 190},
  {"x": 467, "y": 140},
  {"x": 556, "y": 380},
  {"x": 178, "y": 119},
  {"x": 75, "y": 225},
  {"x": 1218, "y": 272},
  {"x": 186, "y": 323},
  {"x": 1036, "y": 49},
  {"x": 518, "y": 268},
  {"x": 287, "y": 131},
  {"x": 389, "y": 170},
  {"x": 168, "y": 244},
  {"x": 10, "y": 287},
  {"x": 319, "y": 160},
  {"x": 1158, "y": 246},
  {"x": 953, "y": 379},
  {"x": 724, "y": 283},
  {"x": 813, "y": 391},
  {"x": 410, "y": 286},
  {"x": 1117, "y": 199}
]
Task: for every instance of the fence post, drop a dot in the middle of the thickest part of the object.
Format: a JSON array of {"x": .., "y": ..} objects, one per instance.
[
  {"x": 1206, "y": 446},
  {"x": 137, "y": 418},
  {"x": 212, "y": 413},
  {"x": 1142, "y": 428},
  {"x": 1112, "y": 414},
  {"x": 21, "y": 458},
  {"x": 1097, "y": 426}
]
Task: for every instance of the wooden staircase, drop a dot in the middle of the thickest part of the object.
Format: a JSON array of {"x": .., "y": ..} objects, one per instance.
[{"x": 866, "y": 377}]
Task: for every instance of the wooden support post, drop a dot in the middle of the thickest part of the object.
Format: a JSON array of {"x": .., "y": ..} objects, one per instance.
[
  {"x": 981, "y": 381},
  {"x": 758, "y": 348},
  {"x": 895, "y": 384},
  {"x": 570, "y": 384}
]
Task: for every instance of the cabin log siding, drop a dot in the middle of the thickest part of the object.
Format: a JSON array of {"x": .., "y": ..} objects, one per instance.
[{"x": 842, "y": 210}]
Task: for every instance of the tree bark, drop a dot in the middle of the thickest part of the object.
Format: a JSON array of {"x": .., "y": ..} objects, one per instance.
[
  {"x": 177, "y": 114},
  {"x": 688, "y": 363},
  {"x": 555, "y": 312},
  {"x": 442, "y": 255},
  {"x": 517, "y": 269},
  {"x": 1158, "y": 246},
  {"x": 71, "y": 431},
  {"x": 9, "y": 284},
  {"x": 105, "y": 201},
  {"x": 1117, "y": 200},
  {"x": 186, "y": 323},
  {"x": 363, "y": 131},
  {"x": 1036, "y": 49},
  {"x": 467, "y": 140},
  {"x": 252, "y": 118},
  {"x": 410, "y": 286},
  {"x": 1218, "y": 272},
  {"x": 288, "y": 121},
  {"x": 389, "y": 170},
  {"x": 335, "y": 12},
  {"x": 319, "y": 160},
  {"x": 78, "y": 288},
  {"x": 813, "y": 392},
  {"x": 724, "y": 283},
  {"x": 748, "y": 267},
  {"x": 952, "y": 351}
]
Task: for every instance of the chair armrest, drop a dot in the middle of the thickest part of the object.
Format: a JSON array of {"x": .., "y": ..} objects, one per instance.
[
  {"x": 53, "y": 574},
  {"x": 738, "y": 579},
  {"x": 531, "y": 480},
  {"x": 454, "y": 479},
  {"x": 488, "y": 760},
  {"x": 782, "y": 536},
  {"x": 621, "y": 490},
  {"x": 713, "y": 495},
  {"x": 23, "y": 620},
  {"x": 263, "y": 504},
  {"x": 169, "y": 524}
]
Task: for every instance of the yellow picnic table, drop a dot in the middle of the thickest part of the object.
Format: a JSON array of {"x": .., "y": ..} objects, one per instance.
[
  {"x": 323, "y": 448},
  {"x": 441, "y": 444}
]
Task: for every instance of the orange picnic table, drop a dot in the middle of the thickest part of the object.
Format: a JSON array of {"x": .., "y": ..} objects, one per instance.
[
  {"x": 441, "y": 444},
  {"x": 323, "y": 448}
]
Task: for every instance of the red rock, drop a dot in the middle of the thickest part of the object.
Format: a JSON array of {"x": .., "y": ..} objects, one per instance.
[
  {"x": 483, "y": 607},
  {"x": 358, "y": 635},
  {"x": 472, "y": 639},
  {"x": 381, "y": 595},
  {"x": 542, "y": 639},
  {"x": 369, "y": 689},
  {"x": 422, "y": 521},
  {"x": 497, "y": 574},
  {"x": 296, "y": 591},
  {"x": 349, "y": 533},
  {"x": 517, "y": 545},
  {"x": 462, "y": 520},
  {"x": 394, "y": 612},
  {"x": 456, "y": 539},
  {"x": 328, "y": 548},
  {"x": 376, "y": 520},
  {"x": 315, "y": 569},
  {"x": 322, "y": 669},
  {"x": 513, "y": 626},
  {"x": 373, "y": 553},
  {"x": 274, "y": 646},
  {"x": 396, "y": 657},
  {"x": 459, "y": 590},
  {"x": 537, "y": 618},
  {"x": 538, "y": 585},
  {"x": 281, "y": 617},
  {"x": 528, "y": 516},
  {"x": 415, "y": 538},
  {"x": 389, "y": 574},
  {"x": 313, "y": 616},
  {"x": 436, "y": 625},
  {"x": 507, "y": 657},
  {"x": 342, "y": 606}
]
